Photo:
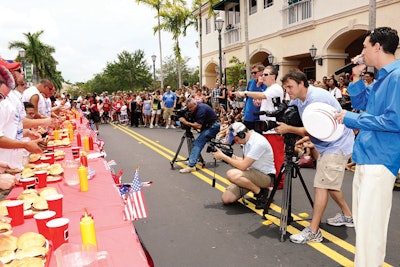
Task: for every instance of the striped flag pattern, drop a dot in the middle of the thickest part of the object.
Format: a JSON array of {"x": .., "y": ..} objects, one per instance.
[{"x": 134, "y": 202}]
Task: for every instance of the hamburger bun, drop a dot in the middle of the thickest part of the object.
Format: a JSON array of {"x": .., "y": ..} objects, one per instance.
[
  {"x": 40, "y": 204},
  {"x": 48, "y": 191},
  {"x": 31, "y": 252},
  {"x": 6, "y": 256},
  {"x": 26, "y": 262},
  {"x": 5, "y": 229},
  {"x": 34, "y": 157},
  {"x": 8, "y": 242},
  {"x": 3, "y": 208},
  {"x": 31, "y": 239}
]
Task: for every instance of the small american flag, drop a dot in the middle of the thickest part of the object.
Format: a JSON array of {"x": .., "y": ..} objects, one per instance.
[{"x": 134, "y": 203}]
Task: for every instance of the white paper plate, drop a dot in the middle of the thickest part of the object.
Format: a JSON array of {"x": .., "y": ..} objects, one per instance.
[{"x": 319, "y": 121}]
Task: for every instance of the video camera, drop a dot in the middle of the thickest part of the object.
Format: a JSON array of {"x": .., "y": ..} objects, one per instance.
[
  {"x": 283, "y": 113},
  {"x": 225, "y": 148},
  {"x": 185, "y": 113}
]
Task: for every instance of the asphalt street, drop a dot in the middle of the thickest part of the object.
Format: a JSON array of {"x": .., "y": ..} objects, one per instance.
[{"x": 189, "y": 226}]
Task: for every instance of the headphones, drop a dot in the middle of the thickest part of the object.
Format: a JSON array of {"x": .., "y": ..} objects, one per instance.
[{"x": 241, "y": 134}]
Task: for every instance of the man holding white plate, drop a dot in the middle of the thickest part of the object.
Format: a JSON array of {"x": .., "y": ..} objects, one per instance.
[{"x": 334, "y": 143}]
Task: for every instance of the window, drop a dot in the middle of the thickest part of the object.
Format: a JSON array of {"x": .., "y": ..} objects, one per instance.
[
  {"x": 268, "y": 3},
  {"x": 253, "y": 6},
  {"x": 208, "y": 26},
  {"x": 233, "y": 15}
]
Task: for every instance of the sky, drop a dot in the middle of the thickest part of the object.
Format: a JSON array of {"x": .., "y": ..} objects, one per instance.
[{"x": 88, "y": 33}]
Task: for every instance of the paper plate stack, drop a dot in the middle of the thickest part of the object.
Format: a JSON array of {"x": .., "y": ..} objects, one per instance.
[{"x": 319, "y": 120}]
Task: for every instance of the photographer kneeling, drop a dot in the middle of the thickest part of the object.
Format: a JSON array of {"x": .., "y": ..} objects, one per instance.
[
  {"x": 254, "y": 172},
  {"x": 205, "y": 121}
]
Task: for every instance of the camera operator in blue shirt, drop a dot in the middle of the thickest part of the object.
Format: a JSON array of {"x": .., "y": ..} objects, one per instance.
[{"x": 205, "y": 121}]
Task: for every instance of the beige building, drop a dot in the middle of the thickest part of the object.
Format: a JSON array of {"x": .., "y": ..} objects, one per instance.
[{"x": 287, "y": 29}]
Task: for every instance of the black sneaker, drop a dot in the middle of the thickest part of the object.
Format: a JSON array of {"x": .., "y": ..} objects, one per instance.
[{"x": 261, "y": 198}]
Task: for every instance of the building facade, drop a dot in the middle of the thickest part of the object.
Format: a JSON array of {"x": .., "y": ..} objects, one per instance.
[{"x": 287, "y": 29}]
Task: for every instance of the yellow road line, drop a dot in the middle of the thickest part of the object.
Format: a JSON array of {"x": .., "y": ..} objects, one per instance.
[{"x": 167, "y": 153}]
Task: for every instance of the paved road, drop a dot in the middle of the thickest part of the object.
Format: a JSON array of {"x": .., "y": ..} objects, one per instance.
[{"x": 189, "y": 226}]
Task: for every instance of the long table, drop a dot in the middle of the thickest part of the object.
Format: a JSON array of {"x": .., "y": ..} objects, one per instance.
[{"x": 114, "y": 235}]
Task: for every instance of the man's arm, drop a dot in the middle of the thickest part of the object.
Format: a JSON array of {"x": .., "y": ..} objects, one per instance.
[
  {"x": 236, "y": 162},
  {"x": 283, "y": 128},
  {"x": 193, "y": 125}
]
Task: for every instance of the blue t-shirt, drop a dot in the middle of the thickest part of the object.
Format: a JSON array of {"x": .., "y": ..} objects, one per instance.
[
  {"x": 249, "y": 107},
  {"x": 168, "y": 98}
]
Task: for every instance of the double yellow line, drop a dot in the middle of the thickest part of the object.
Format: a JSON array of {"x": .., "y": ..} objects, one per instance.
[{"x": 205, "y": 174}]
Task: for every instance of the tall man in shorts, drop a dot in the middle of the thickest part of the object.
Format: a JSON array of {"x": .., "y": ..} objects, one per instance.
[
  {"x": 333, "y": 157},
  {"x": 254, "y": 171},
  {"x": 168, "y": 105}
]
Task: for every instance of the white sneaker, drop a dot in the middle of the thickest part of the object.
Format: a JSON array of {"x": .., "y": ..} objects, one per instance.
[
  {"x": 340, "y": 220},
  {"x": 187, "y": 169},
  {"x": 172, "y": 126},
  {"x": 156, "y": 125},
  {"x": 166, "y": 127},
  {"x": 307, "y": 236}
]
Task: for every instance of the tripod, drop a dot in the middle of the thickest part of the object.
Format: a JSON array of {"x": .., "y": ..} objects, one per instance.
[
  {"x": 291, "y": 170},
  {"x": 188, "y": 135}
]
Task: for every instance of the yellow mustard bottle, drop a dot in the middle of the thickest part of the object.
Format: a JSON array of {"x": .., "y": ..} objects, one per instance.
[
  {"x": 83, "y": 179},
  {"x": 88, "y": 232}
]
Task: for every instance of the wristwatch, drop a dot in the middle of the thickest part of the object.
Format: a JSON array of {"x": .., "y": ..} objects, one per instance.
[{"x": 245, "y": 93}]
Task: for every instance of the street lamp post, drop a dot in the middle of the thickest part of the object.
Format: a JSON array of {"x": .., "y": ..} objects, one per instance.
[
  {"x": 153, "y": 57},
  {"x": 22, "y": 56},
  {"x": 219, "y": 23}
]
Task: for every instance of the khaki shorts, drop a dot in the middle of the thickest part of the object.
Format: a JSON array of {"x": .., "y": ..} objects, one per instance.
[
  {"x": 167, "y": 112},
  {"x": 258, "y": 178},
  {"x": 330, "y": 171}
]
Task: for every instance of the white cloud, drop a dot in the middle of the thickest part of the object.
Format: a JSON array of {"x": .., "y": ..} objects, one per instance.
[{"x": 88, "y": 34}]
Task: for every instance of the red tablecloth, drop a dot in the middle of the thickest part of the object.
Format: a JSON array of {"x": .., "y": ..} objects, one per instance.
[{"x": 114, "y": 235}]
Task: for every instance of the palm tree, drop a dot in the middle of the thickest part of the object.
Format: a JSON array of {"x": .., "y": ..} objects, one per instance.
[
  {"x": 157, "y": 5},
  {"x": 176, "y": 19},
  {"x": 40, "y": 55}
]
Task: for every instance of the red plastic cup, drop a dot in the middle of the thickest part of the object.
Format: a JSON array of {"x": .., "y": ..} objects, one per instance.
[
  {"x": 41, "y": 179},
  {"x": 55, "y": 203},
  {"x": 41, "y": 219},
  {"x": 58, "y": 229},
  {"x": 50, "y": 148},
  {"x": 75, "y": 152},
  {"x": 46, "y": 160},
  {"x": 15, "y": 209},
  {"x": 51, "y": 155},
  {"x": 28, "y": 183}
]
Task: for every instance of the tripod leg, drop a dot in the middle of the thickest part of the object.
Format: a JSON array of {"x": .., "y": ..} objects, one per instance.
[
  {"x": 177, "y": 152},
  {"x": 276, "y": 184},
  {"x": 286, "y": 199},
  {"x": 304, "y": 185}
]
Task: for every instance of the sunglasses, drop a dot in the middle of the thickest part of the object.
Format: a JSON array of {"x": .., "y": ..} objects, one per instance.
[
  {"x": 254, "y": 72},
  {"x": 267, "y": 74}
]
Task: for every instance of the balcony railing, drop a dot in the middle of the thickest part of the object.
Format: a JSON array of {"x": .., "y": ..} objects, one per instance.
[
  {"x": 232, "y": 35},
  {"x": 295, "y": 12}
]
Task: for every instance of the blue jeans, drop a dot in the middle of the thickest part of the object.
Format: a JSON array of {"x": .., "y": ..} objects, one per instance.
[{"x": 201, "y": 141}]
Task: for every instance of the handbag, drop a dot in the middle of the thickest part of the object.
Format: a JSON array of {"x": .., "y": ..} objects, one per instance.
[{"x": 306, "y": 162}]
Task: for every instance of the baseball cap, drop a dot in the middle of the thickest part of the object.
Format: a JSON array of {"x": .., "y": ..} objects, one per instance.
[
  {"x": 10, "y": 65},
  {"x": 6, "y": 75}
]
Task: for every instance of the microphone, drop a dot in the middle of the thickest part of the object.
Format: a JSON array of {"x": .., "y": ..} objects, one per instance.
[
  {"x": 259, "y": 113},
  {"x": 349, "y": 66}
]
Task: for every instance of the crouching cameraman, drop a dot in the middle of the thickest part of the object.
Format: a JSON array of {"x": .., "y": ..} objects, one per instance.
[
  {"x": 205, "y": 121},
  {"x": 254, "y": 172}
]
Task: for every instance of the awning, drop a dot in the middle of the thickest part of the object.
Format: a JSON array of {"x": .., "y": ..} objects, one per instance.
[{"x": 221, "y": 5}]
